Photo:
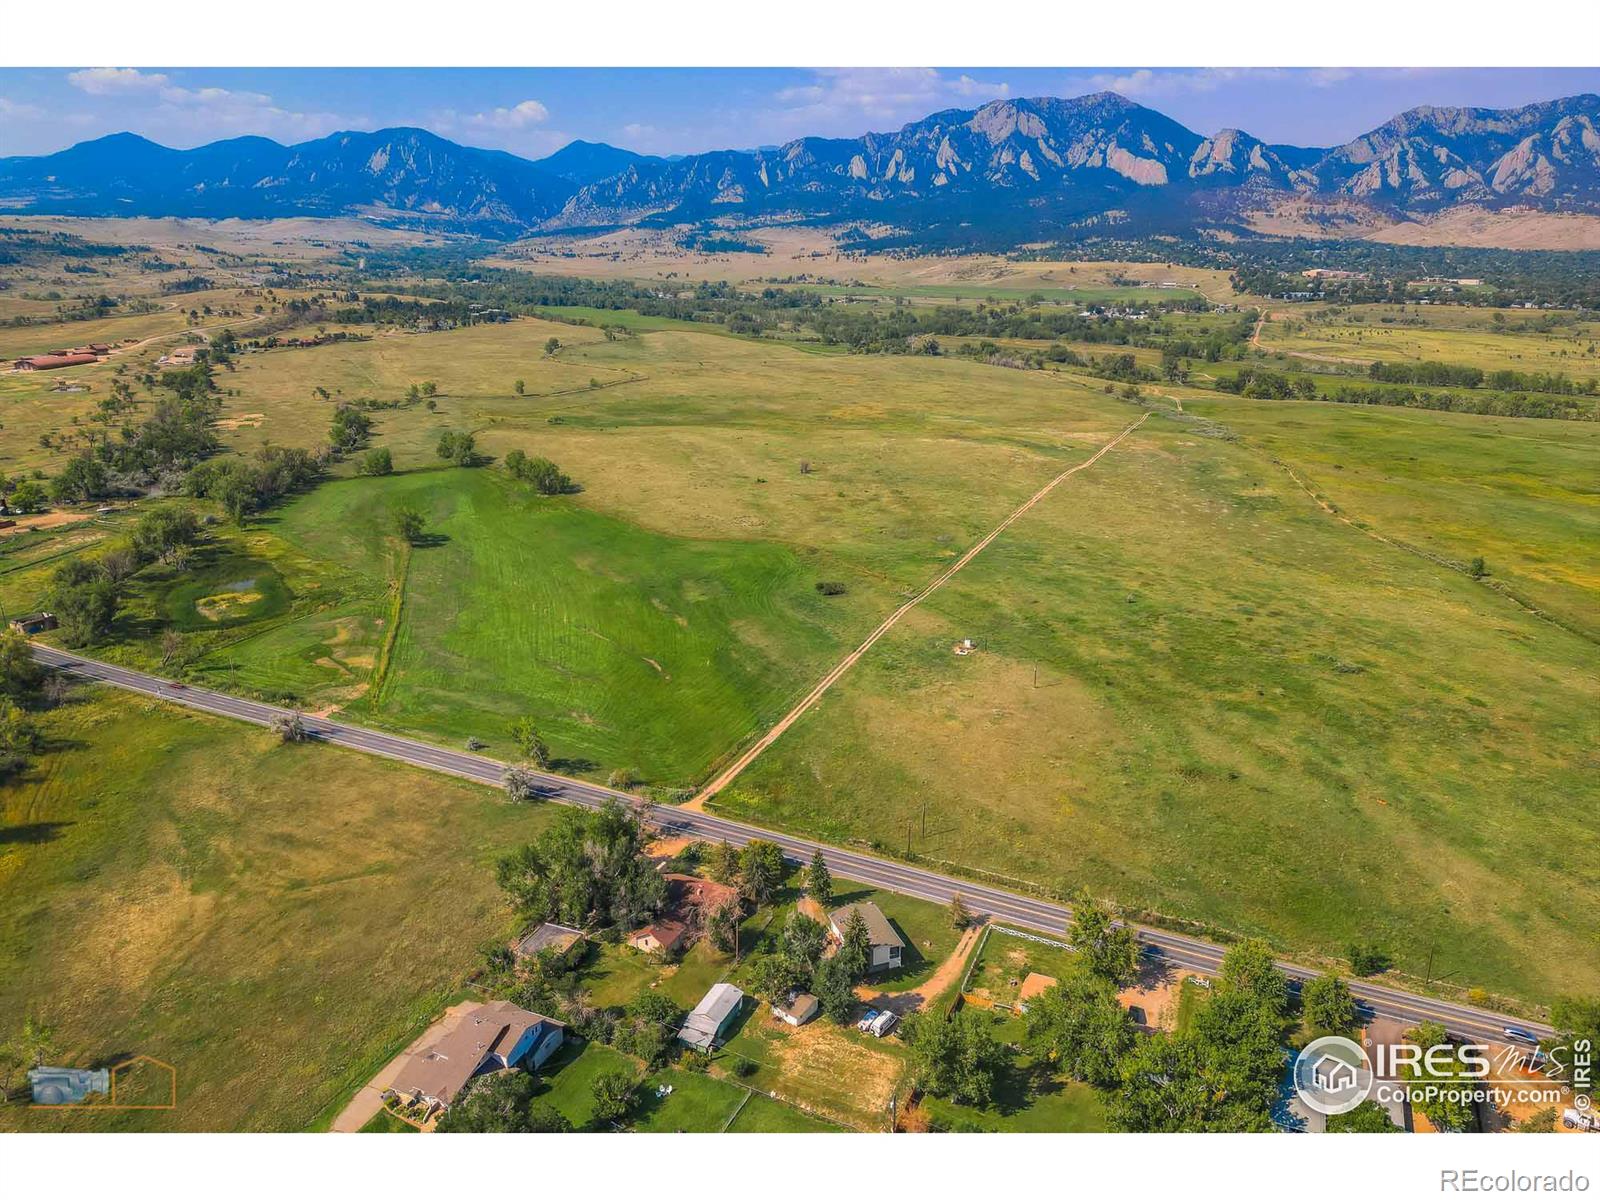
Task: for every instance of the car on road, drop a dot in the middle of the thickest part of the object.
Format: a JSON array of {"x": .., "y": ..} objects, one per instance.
[
  {"x": 1518, "y": 1034},
  {"x": 867, "y": 1019}
]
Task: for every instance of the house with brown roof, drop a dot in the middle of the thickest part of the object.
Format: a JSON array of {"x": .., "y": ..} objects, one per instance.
[
  {"x": 888, "y": 948},
  {"x": 689, "y": 901},
  {"x": 486, "y": 1037},
  {"x": 662, "y": 936}
]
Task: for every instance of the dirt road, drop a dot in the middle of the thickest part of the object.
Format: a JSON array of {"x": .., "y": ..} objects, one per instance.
[
  {"x": 1255, "y": 337},
  {"x": 889, "y": 622}
]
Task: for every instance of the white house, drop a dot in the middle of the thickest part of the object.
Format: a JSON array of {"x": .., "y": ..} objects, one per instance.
[{"x": 888, "y": 951}]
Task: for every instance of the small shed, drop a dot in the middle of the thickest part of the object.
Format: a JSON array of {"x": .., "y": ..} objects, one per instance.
[
  {"x": 548, "y": 936},
  {"x": 31, "y": 623},
  {"x": 798, "y": 1009}
]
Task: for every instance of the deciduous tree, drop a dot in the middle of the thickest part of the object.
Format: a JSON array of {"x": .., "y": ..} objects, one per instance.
[
  {"x": 957, "y": 1056},
  {"x": 1327, "y": 1005},
  {"x": 20, "y": 676},
  {"x": 1106, "y": 948},
  {"x": 614, "y": 1092},
  {"x": 526, "y": 735},
  {"x": 1080, "y": 1026}
]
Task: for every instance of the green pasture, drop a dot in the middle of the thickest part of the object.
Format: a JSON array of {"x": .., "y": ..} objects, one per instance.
[{"x": 190, "y": 888}]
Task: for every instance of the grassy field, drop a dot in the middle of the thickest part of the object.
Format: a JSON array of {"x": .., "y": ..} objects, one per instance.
[
  {"x": 630, "y": 649},
  {"x": 1520, "y": 493},
  {"x": 387, "y": 1122},
  {"x": 696, "y": 1103},
  {"x": 262, "y": 917},
  {"x": 570, "y": 1076},
  {"x": 1005, "y": 961},
  {"x": 1440, "y": 336},
  {"x": 1196, "y": 692},
  {"x": 761, "y": 1115},
  {"x": 1244, "y": 713}
]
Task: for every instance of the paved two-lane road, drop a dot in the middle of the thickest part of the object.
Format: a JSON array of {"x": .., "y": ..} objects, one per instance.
[{"x": 1007, "y": 907}]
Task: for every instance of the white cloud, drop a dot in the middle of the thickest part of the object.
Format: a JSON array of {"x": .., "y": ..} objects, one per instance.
[
  {"x": 520, "y": 116},
  {"x": 966, "y": 85},
  {"x": 112, "y": 81},
  {"x": 18, "y": 110},
  {"x": 841, "y": 101},
  {"x": 166, "y": 109},
  {"x": 1153, "y": 84}
]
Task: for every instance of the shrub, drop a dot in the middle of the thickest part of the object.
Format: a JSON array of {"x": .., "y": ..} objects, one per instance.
[
  {"x": 831, "y": 587},
  {"x": 520, "y": 783},
  {"x": 1368, "y": 958},
  {"x": 376, "y": 462},
  {"x": 460, "y": 449},
  {"x": 541, "y": 472},
  {"x": 614, "y": 1093},
  {"x": 290, "y": 727}
]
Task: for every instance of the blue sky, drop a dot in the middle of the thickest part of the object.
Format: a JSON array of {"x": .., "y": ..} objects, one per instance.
[{"x": 684, "y": 110}]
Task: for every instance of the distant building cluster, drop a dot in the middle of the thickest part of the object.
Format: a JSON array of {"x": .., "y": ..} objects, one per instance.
[{"x": 77, "y": 356}]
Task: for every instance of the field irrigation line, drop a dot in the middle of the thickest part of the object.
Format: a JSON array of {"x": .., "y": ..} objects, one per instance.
[{"x": 888, "y": 623}]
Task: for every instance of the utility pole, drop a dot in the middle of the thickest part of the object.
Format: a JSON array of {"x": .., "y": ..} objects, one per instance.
[{"x": 924, "y": 814}]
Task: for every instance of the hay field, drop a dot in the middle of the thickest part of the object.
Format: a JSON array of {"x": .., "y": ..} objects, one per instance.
[
  {"x": 274, "y": 921},
  {"x": 1464, "y": 337},
  {"x": 1244, "y": 713},
  {"x": 1191, "y": 680}
]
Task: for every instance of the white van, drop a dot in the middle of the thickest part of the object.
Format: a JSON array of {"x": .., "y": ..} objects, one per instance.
[{"x": 883, "y": 1023}]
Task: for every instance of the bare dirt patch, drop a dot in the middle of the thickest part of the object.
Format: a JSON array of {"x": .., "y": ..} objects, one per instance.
[
  {"x": 1153, "y": 998},
  {"x": 49, "y": 520},
  {"x": 823, "y": 1069},
  {"x": 668, "y": 847}
]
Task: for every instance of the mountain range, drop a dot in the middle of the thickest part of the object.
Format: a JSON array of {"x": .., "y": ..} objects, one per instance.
[{"x": 1011, "y": 170}]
